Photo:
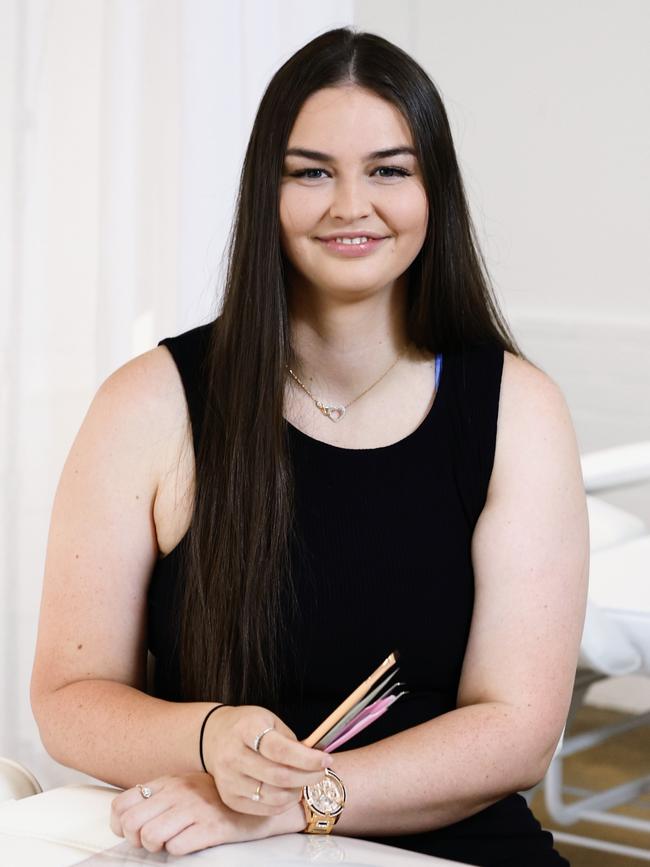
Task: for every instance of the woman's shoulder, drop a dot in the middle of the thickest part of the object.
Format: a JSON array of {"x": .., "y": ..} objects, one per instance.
[
  {"x": 159, "y": 383},
  {"x": 534, "y": 420},
  {"x": 527, "y": 385},
  {"x": 148, "y": 388},
  {"x": 145, "y": 396}
]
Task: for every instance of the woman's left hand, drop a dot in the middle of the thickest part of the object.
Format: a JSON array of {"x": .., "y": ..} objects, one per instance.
[{"x": 185, "y": 814}]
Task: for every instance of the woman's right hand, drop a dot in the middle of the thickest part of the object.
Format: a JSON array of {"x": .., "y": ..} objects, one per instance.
[{"x": 283, "y": 764}]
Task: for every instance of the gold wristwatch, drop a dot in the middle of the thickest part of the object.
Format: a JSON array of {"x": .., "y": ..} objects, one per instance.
[{"x": 323, "y": 803}]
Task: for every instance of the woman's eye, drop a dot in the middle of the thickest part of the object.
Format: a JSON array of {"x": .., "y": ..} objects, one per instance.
[
  {"x": 402, "y": 173},
  {"x": 304, "y": 173}
]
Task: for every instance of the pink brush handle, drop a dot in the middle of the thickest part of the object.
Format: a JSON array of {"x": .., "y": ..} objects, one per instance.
[
  {"x": 361, "y": 721},
  {"x": 371, "y": 708}
]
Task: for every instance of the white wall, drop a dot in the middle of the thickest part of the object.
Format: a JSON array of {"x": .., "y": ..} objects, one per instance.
[{"x": 549, "y": 106}]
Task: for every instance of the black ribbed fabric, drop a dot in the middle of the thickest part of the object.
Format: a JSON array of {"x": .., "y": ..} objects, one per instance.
[{"x": 382, "y": 561}]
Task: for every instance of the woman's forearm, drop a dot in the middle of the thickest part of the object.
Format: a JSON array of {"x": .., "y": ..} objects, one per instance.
[
  {"x": 423, "y": 778},
  {"x": 435, "y": 773},
  {"x": 119, "y": 734}
]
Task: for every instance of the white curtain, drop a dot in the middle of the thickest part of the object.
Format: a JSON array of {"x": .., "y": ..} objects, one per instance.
[{"x": 125, "y": 125}]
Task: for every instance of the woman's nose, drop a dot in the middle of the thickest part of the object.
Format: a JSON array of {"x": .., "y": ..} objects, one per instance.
[{"x": 350, "y": 200}]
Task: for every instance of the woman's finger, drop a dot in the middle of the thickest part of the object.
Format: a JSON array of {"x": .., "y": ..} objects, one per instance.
[
  {"x": 155, "y": 833},
  {"x": 266, "y": 768},
  {"x": 237, "y": 794},
  {"x": 294, "y": 754},
  {"x": 192, "y": 839},
  {"x": 135, "y": 818},
  {"x": 130, "y": 810},
  {"x": 281, "y": 786},
  {"x": 271, "y": 796},
  {"x": 134, "y": 795}
]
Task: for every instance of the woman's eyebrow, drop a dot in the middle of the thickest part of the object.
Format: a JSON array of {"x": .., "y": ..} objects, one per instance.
[{"x": 375, "y": 155}]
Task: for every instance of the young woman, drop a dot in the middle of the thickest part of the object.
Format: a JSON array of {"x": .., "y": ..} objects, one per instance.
[{"x": 353, "y": 457}]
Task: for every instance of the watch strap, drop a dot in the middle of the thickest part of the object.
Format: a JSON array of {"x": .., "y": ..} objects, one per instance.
[{"x": 317, "y": 824}]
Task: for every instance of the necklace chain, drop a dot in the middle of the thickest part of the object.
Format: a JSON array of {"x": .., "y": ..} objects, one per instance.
[{"x": 332, "y": 411}]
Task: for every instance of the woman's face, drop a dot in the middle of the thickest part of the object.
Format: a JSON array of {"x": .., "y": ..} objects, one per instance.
[{"x": 344, "y": 187}]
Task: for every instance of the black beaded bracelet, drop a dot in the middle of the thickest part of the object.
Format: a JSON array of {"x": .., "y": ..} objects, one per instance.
[{"x": 207, "y": 716}]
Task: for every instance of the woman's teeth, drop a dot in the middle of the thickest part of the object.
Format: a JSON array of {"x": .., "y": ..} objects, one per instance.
[{"x": 362, "y": 240}]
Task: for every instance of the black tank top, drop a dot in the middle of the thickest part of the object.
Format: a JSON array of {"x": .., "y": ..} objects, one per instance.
[{"x": 383, "y": 556}]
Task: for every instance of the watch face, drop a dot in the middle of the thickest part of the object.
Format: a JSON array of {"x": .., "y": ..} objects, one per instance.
[{"x": 327, "y": 796}]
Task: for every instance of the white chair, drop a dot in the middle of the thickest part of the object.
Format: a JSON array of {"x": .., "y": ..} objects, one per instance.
[
  {"x": 16, "y": 781},
  {"x": 615, "y": 641}
]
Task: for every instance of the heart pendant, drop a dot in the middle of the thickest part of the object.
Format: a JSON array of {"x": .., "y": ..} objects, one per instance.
[{"x": 334, "y": 413}]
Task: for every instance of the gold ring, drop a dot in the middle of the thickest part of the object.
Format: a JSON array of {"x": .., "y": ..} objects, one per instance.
[
  {"x": 257, "y": 796},
  {"x": 145, "y": 791}
]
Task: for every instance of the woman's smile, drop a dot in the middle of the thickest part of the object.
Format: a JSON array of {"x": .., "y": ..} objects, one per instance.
[{"x": 351, "y": 248}]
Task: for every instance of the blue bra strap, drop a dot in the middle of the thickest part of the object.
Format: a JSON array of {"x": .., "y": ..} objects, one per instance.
[{"x": 438, "y": 368}]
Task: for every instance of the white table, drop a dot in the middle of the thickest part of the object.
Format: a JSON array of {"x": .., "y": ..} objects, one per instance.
[{"x": 70, "y": 825}]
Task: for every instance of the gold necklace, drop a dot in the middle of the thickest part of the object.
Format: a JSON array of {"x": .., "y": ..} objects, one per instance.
[{"x": 332, "y": 411}]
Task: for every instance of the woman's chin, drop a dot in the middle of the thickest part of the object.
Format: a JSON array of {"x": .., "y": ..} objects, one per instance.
[{"x": 350, "y": 291}]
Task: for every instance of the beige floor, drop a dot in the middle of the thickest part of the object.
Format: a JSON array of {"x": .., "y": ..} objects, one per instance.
[{"x": 619, "y": 760}]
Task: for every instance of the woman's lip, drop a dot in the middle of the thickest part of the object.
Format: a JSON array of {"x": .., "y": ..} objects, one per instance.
[
  {"x": 352, "y": 249},
  {"x": 372, "y": 237}
]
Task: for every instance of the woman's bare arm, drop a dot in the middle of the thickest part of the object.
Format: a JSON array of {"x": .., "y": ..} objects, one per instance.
[
  {"x": 90, "y": 664},
  {"x": 530, "y": 552}
]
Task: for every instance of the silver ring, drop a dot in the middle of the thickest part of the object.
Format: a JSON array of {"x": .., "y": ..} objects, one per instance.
[
  {"x": 145, "y": 791},
  {"x": 257, "y": 796},
  {"x": 256, "y": 745}
]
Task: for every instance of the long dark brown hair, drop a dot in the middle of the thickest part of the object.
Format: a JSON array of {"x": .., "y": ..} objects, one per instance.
[{"x": 237, "y": 561}]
